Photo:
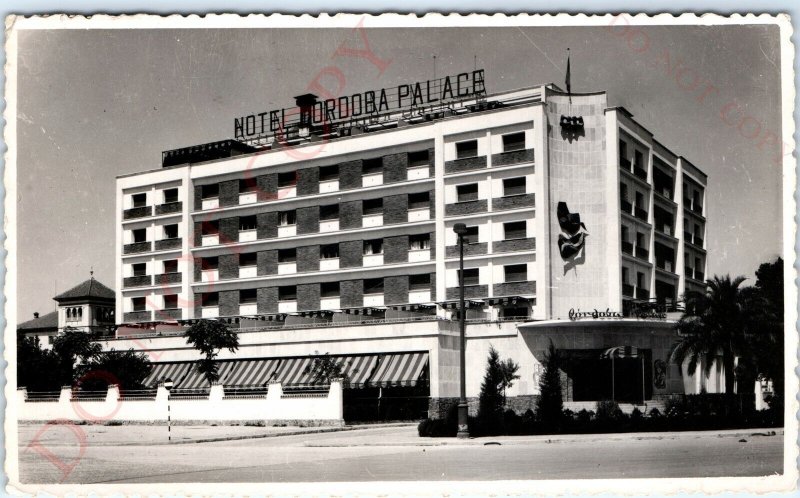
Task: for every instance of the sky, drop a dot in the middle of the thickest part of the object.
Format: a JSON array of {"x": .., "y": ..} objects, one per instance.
[{"x": 96, "y": 104}]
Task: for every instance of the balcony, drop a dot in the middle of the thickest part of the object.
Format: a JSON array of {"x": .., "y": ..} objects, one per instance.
[
  {"x": 248, "y": 198},
  {"x": 625, "y": 206},
  {"x": 169, "y": 208},
  {"x": 466, "y": 207},
  {"x": 419, "y": 172},
  {"x": 470, "y": 292},
  {"x": 137, "y": 247},
  {"x": 210, "y": 203},
  {"x": 689, "y": 272},
  {"x": 640, "y": 213},
  {"x": 287, "y": 231},
  {"x": 248, "y": 235},
  {"x": 465, "y": 164},
  {"x": 372, "y": 260},
  {"x": 697, "y": 208},
  {"x": 513, "y": 157},
  {"x": 643, "y": 294},
  {"x": 328, "y": 186},
  {"x": 137, "y": 212},
  {"x": 419, "y": 296},
  {"x": 327, "y": 264},
  {"x": 513, "y": 202},
  {"x": 169, "y": 278},
  {"x": 627, "y": 247},
  {"x": 210, "y": 240},
  {"x": 642, "y": 253},
  {"x": 248, "y": 308},
  {"x": 287, "y": 192},
  {"x": 665, "y": 265},
  {"x": 665, "y": 192},
  {"x": 248, "y": 271},
  {"x": 169, "y": 314},
  {"x": 700, "y": 276},
  {"x": 165, "y": 244},
  {"x": 687, "y": 236},
  {"x": 625, "y": 164},
  {"x": 209, "y": 312},
  {"x": 287, "y": 306},
  {"x": 209, "y": 275},
  {"x": 640, "y": 173},
  {"x": 512, "y": 245},
  {"x": 627, "y": 290},
  {"x": 475, "y": 249},
  {"x": 330, "y": 303},
  {"x": 138, "y": 316},
  {"x": 287, "y": 268},
  {"x": 329, "y": 226},
  {"x": 372, "y": 180},
  {"x": 372, "y": 220},
  {"x": 515, "y": 288},
  {"x": 373, "y": 299},
  {"x": 698, "y": 241},
  {"x": 417, "y": 255},
  {"x": 419, "y": 214},
  {"x": 137, "y": 281},
  {"x": 665, "y": 229}
]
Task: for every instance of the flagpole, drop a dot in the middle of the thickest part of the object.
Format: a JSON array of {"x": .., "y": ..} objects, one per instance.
[{"x": 567, "y": 80}]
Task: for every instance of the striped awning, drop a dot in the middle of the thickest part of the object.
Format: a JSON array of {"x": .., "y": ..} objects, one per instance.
[
  {"x": 161, "y": 371},
  {"x": 295, "y": 371},
  {"x": 358, "y": 369},
  {"x": 249, "y": 372},
  {"x": 399, "y": 369}
]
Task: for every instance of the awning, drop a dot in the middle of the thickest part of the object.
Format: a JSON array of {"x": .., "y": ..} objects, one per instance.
[
  {"x": 249, "y": 372},
  {"x": 295, "y": 371},
  {"x": 298, "y": 371},
  {"x": 359, "y": 368},
  {"x": 161, "y": 371},
  {"x": 399, "y": 369}
]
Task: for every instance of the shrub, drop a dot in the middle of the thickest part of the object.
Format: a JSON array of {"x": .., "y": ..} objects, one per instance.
[
  {"x": 113, "y": 423},
  {"x": 499, "y": 376},
  {"x": 550, "y": 406},
  {"x": 608, "y": 410}
]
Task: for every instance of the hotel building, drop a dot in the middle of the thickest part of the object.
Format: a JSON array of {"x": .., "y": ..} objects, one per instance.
[{"x": 339, "y": 240}]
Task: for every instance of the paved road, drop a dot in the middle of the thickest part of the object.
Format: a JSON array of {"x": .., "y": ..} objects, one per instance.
[{"x": 388, "y": 454}]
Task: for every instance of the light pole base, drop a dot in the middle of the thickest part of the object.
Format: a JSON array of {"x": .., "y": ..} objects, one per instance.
[{"x": 463, "y": 420}]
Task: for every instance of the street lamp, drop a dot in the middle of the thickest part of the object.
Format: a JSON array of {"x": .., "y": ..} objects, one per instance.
[
  {"x": 168, "y": 386},
  {"x": 463, "y": 410}
]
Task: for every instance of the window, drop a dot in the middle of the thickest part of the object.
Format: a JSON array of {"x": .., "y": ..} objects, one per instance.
[
  {"x": 418, "y": 158},
  {"x": 640, "y": 239},
  {"x": 248, "y": 185},
  {"x": 248, "y": 259},
  {"x": 329, "y": 173},
  {"x": 373, "y": 206},
  {"x": 210, "y": 227},
  {"x": 515, "y": 230},
  {"x": 329, "y": 289},
  {"x": 516, "y": 273},
  {"x": 625, "y": 278},
  {"x": 639, "y": 200},
  {"x": 514, "y": 186},
  {"x": 288, "y": 179},
  {"x": 372, "y": 166},
  {"x": 419, "y": 242},
  {"x": 471, "y": 236},
  {"x": 139, "y": 235},
  {"x": 170, "y": 301},
  {"x": 373, "y": 286},
  {"x": 170, "y": 195},
  {"x": 467, "y": 149},
  {"x": 330, "y": 212},
  {"x": 170, "y": 231},
  {"x": 287, "y": 255},
  {"x": 210, "y": 263},
  {"x": 471, "y": 276},
  {"x": 209, "y": 299},
  {"x": 287, "y": 293},
  {"x": 139, "y": 269},
  {"x": 373, "y": 247},
  {"x": 139, "y": 200},
  {"x": 287, "y": 218},
  {"x": 623, "y": 192},
  {"x": 468, "y": 192},
  {"x": 138, "y": 304},
  {"x": 209, "y": 191},
  {"x": 514, "y": 141},
  {"x": 624, "y": 233},
  {"x": 329, "y": 251},
  {"x": 247, "y": 223},
  {"x": 419, "y": 200},
  {"x": 640, "y": 280},
  {"x": 419, "y": 282},
  {"x": 697, "y": 265},
  {"x": 696, "y": 204},
  {"x": 638, "y": 159},
  {"x": 171, "y": 266},
  {"x": 248, "y": 296},
  {"x": 623, "y": 150}
]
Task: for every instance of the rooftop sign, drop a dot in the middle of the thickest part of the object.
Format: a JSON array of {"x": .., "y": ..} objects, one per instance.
[{"x": 361, "y": 108}]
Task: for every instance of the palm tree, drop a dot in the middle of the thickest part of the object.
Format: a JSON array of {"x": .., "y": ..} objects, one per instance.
[{"x": 717, "y": 322}]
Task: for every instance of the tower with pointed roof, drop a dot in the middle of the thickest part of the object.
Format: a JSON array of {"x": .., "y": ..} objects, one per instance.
[{"x": 88, "y": 307}]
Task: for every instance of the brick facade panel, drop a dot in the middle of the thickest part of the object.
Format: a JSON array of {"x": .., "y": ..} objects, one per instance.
[
  {"x": 513, "y": 202},
  {"x": 229, "y": 193},
  {"x": 267, "y": 225},
  {"x": 396, "y": 289},
  {"x": 228, "y": 303},
  {"x": 515, "y": 288},
  {"x": 395, "y": 249},
  {"x": 197, "y": 269},
  {"x": 395, "y": 167},
  {"x": 351, "y": 293},
  {"x": 267, "y": 186},
  {"x": 434, "y": 295},
  {"x": 228, "y": 266},
  {"x": 433, "y": 246},
  {"x": 267, "y": 262},
  {"x": 432, "y": 162},
  {"x": 395, "y": 209},
  {"x": 433, "y": 204},
  {"x": 460, "y": 208},
  {"x": 513, "y": 157},
  {"x": 469, "y": 250},
  {"x": 229, "y": 230},
  {"x": 308, "y": 181},
  {"x": 470, "y": 292},
  {"x": 268, "y": 300},
  {"x": 351, "y": 254},
  {"x": 198, "y": 198},
  {"x": 350, "y": 214},
  {"x": 308, "y": 296},
  {"x": 350, "y": 175},
  {"x": 308, "y": 219},
  {"x": 514, "y": 245},
  {"x": 466, "y": 164},
  {"x": 307, "y": 260},
  {"x": 198, "y": 233}
]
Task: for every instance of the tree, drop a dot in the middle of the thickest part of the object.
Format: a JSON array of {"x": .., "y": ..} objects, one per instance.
[
  {"x": 210, "y": 337},
  {"x": 491, "y": 401},
  {"x": 550, "y": 405},
  {"x": 37, "y": 369},
  {"x": 508, "y": 372},
  {"x": 324, "y": 369},
  {"x": 71, "y": 349},
  {"x": 767, "y": 339},
  {"x": 128, "y": 369},
  {"x": 716, "y": 322}
]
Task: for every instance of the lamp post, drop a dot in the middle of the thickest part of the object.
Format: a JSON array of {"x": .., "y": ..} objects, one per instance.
[
  {"x": 168, "y": 386},
  {"x": 463, "y": 410}
]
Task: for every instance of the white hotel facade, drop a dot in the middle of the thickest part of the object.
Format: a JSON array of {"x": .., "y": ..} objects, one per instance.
[{"x": 344, "y": 245}]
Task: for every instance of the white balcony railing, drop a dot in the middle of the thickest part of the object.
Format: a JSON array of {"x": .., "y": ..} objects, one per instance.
[
  {"x": 373, "y": 300},
  {"x": 287, "y": 192},
  {"x": 248, "y": 309},
  {"x": 248, "y": 235},
  {"x": 418, "y": 172},
  {"x": 419, "y": 296},
  {"x": 372, "y": 180},
  {"x": 329, "y": 186},
  {"x": 329, "y": 226},
  {"x": 416, "y": 255},
  {"x": 287, "y": 268},
  {"x": 210, "y": 311},
  {"x": 420, "y": 214},
  {"x": 330, "y": 303},
  {"x": 209, "y": 276},
  {"x": 329, "y": 264},
  {"x": 287, "y": 231},
  {"x": 372, "y": 220},
  {"x": 210, "y": 203},
  {"x": 248, "y": 198},
  {"x": 373, "y": 260},
  {"x": 210, "y": 240},
  {"x": 287, "y": 306},
  {"x": 248, "y": 271}
]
